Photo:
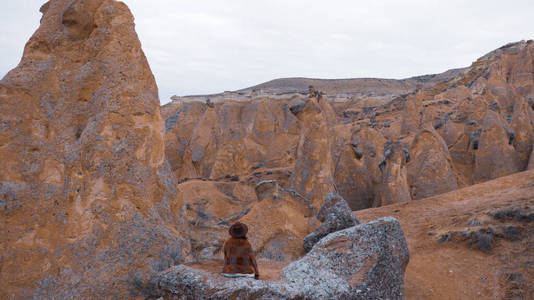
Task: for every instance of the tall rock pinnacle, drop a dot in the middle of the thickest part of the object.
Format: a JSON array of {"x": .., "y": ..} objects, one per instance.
[{"x": 84, "y": 186}]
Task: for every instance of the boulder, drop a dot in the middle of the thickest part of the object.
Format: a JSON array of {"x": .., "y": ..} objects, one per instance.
[
  {"x": 366, "y": 261},
  {"x": 336, "y": 215}
]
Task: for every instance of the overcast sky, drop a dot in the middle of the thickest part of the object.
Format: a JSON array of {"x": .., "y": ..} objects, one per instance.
[{"x": 209, "y": 46}]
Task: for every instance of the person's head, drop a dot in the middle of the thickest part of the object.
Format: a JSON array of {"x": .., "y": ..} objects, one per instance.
[{"x": 238, "y": 230}]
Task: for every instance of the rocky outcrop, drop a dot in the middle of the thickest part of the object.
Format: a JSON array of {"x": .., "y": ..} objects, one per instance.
[
  {"x": 356, "y": 160},
  {"x": 454, "y": 103},
  {"x": 394, "y": 185},
  {"x": 232, "y": 138},
  {"x": 336, "y": 215},
  {"x": 366, "y": 261},
  {"x": 85, "y": 189},
  {"x": 411, "y": 114},
  {"x": 495, "y": 155},
  {"x": 430, "y": 172},
  {"x": 278, "y": 223},
  {"x": 209, "y": 208},
  {"x": 314, "y": 167},
  {"x": 523, "y": 133}
]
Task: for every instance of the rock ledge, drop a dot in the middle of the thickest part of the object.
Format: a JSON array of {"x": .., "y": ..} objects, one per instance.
[{"x": 366, "y": 261}]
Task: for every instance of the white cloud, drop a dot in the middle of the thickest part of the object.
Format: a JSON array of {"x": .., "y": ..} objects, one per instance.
[{"x": 210, "y": 46}]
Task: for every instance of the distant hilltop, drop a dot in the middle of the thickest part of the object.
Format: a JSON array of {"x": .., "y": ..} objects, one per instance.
[
  {"x": 336, "y": 89},
  {"x": 341, "y": 90}
]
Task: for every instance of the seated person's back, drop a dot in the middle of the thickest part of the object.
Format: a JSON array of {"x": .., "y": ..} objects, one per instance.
[{"x": 239, "y": 258}]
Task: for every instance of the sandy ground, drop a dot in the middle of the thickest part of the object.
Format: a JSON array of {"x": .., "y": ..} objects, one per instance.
[{"x": 453, "y": 269}]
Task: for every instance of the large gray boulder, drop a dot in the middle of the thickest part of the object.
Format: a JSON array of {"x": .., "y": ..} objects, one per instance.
[
  {"x": 366, "y": 261},
  {"x": 335, "y": 214}
]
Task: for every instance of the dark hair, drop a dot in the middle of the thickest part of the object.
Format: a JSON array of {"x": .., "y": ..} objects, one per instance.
[{"x": 238, "y": 230}]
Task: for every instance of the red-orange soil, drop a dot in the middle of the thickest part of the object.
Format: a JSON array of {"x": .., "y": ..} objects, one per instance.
[{"x": 453, "y": 270}]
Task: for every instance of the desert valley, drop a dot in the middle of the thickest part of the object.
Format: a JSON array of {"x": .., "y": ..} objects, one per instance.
[{"x": 420, "y": 188}]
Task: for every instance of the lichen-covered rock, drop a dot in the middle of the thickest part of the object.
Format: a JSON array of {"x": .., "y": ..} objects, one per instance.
[
  {"x": 366, "y": 261},
  {"x": 335, "y": 214}
]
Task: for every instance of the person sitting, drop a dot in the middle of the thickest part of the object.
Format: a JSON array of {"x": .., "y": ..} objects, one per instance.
[{"x": 239, "y": 258}]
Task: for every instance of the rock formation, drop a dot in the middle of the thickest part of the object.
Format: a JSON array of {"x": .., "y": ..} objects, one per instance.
[
  {"x": 336, "y": 215},
  {"x": 85, "y": 189},
  {"x": 495, "y": 155},
  {"x": 357, "y": 176},
  {"x": 101, "y": 187},
  {"x": 430, "y": 172},
  {"x": 374, "y": 257},
  {"x": 229, "y": 139},
  {"x": 523, "y": 131},
  {"x": 279, "y": 222},
  {"x": 314, "y": 167},
  {"x": 361, "y": 115},
  {"x": 394, "y": 185}
]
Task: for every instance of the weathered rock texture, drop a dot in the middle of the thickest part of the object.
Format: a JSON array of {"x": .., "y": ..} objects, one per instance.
[
  {"x": 495, "y": 156},
  {"x": 430, "y": 172},
  {"x": 293, "y": 146},
  {"x": 356, "y": 134},
  {"x": 85, "y": 190},
  {"x": 335, "y": 214},
  {"x": 394, "y": 185},
  {"x": 100, "y": 187},
  {"x": 366, "y": 261},
  {"x": 314, "y": 167}
]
